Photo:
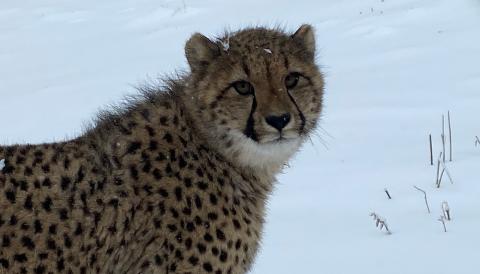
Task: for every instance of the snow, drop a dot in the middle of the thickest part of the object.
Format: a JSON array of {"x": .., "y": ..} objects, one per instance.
[
  {"x": 2, "y": 164},
  {"x": 225, "y": 44},
  {"x": 392, "y": 69}
]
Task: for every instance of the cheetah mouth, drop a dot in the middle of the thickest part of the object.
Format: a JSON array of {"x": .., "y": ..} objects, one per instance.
[{"x": 279, "y": 138}]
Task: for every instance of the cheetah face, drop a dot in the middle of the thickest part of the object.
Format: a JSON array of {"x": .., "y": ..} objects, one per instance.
[{"x": 257, "y": 87}]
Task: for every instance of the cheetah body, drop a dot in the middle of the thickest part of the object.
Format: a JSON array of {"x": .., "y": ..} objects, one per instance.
[{"x": 144, "y": 190}]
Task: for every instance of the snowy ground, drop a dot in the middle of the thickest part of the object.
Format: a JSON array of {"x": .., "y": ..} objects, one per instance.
[{"x": 393, "y": 68}]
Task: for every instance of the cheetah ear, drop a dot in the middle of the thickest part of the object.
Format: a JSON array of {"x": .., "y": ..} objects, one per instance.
[
  {"x": 200, "y": 51},
  {"x": 306, "y": 36}
]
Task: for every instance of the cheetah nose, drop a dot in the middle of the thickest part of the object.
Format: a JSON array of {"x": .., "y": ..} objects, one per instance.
[{"x": 278, "y": 122}]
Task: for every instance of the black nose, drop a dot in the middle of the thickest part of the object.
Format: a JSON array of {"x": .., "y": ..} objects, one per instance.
[{"x": 278, "y": 122}]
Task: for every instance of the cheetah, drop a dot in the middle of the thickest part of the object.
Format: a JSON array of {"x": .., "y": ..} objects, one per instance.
[{"x": 175, "y": 180}]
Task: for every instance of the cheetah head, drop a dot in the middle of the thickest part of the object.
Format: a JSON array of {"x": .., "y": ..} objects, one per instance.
[{"x": 257, "y": 92}]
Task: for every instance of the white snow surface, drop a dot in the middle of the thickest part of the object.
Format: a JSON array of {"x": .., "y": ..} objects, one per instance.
[
  {"x": 392, "y": 67},
  {"x": 2, "y": 164}
]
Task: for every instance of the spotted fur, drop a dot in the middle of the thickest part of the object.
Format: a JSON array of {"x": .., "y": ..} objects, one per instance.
[{"x": 176, "y": 180}]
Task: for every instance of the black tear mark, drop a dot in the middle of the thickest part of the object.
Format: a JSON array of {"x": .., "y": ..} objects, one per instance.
[
  {"x": 300, "y": 113},
  {"x": 249, "y": 129}
]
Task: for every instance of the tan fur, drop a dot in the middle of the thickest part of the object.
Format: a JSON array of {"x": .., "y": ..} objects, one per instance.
[{"x": 171, "y": 182}]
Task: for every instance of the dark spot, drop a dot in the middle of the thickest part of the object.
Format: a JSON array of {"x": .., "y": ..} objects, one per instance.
[
  {"x": 47, "y": 182},
  {"x": 80, "y": 174},
  {"x": 46, "y": 168},
  {"x": 158, "y": 260},
  {"x": 79, "y": 229},
  {"x": 66, "y": 163},
  {"x": 198, "y": 202},
  {"x": 13, "y": 220},
  {"x": 182, "y": 163},
  {"x": 63, "y": 213},
  {"x": 114, "y": 203},
  {"x": 38, "y": 226},
  {"x": 201, "y": 248},
  {"x": 28, "y": 171},
  {"x": 178, "y": 193},
  {"x": 208, "y": 267},
  {"x": 20, "y": 160},
  {"x": 174, "y": 212},
  {"x": 187, "y": 181},
  {"x": 150, "y": 130},
  {"x": 207, "y": 237},
  {"x": 133, "y": 147},
  {"x": 236, "y": 223},
  {"x": 51, "y": 244},
  {"x": 238, "y": 244},
  {"x": 199, "y": 172},
  {"x": 23, "y": 185},
  {"x": 65, "y": 183},
  {"x": 213, "y": 199},
  {"x": 193, "y": 260},
  {"x": 28, "y": 203},
  {"x": 5, "y": 241},
  {"x": 168, "y": 137},
  {"x": 163, "y": 192},
  {"x": 157, "y": 174},
  {"x": 61, "y": 264},
  {"x": 202, "y": 185},
  {"x": 39, "y": 269},
  {"x": 212, "y": 216},
  {"x": 67, "y": 241},
  {"x": 134, "y": 172},
  {"x": 160, "y": 157},
  {"x": 4, "y": 262},
  {"x": 10, "y": 195},
  {"x": 172, "y": 227},
  {"x": 21, "y": 258},
  {"x": 188, "y": 243},
  {"x": 153, "y": 145},
  {"x": 52, "y": 229},
  {"x": 220, "y": 235},
  {"x": 28, "y": 243},
  {"x": 187, "y": 211},
  {"x": 173, "y": 155},
  {"x": 164, "y": 121},
  {"x": 190, "y": 226},
  {"x": 43, "y": 256}
]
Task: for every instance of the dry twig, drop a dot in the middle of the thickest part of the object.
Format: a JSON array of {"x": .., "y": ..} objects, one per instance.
[
  {"x": 450, "y": 135},
  {"x": 431, "y": 150},
  {"x": 447, "y": 172},
  {"x": 425, "y": 197},
  {"x": 380, "y": 222},
  {"x": 438, "y": 170},
  {"x": 443, "y": 137},
  {"x": 446, "y": 211},
  {"x": 388, "y": 194},
  {"x": 442, "y": 220}
]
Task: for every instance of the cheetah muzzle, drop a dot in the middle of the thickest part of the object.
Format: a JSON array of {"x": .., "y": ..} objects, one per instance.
[{"x": 174, "y": 181}]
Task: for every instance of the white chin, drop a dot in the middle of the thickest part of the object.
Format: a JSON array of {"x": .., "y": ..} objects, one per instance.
[{"x": 272, "y": 154}]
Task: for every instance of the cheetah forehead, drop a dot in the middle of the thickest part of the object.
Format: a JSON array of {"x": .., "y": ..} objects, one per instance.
[{"x": 254, "y": 40}]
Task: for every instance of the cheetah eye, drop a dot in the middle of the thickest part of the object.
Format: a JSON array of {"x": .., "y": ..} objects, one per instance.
[
  {"x": 243, "y": 87},
  {"x": 292, "y": 80}
]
